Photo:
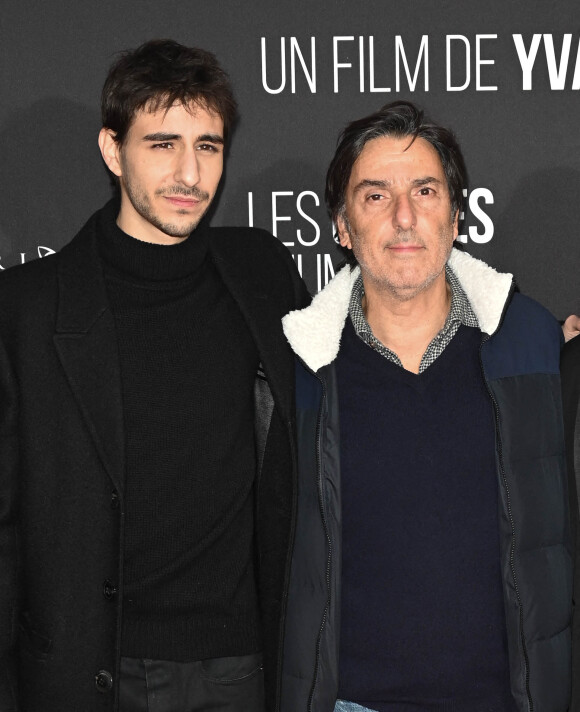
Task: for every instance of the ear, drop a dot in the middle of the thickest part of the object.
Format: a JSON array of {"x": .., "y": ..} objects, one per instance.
[
  {"x": 343, "y": 233},
  {"x": 110, "y": 151},
  {"x": 456, "y": 225}
]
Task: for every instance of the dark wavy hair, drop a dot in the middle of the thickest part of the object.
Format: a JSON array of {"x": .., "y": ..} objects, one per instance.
[
  {"x": 397, "y": 119},
  {"x": 159, "y": 74}
]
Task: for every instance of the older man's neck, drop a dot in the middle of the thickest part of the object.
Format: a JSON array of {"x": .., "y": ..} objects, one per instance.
[{"x": 408, "y": 325}]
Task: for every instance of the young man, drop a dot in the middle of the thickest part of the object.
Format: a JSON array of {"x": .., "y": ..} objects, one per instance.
[
  {"x": 146, "y": 426},
  {"x": 432, "y": 566}
]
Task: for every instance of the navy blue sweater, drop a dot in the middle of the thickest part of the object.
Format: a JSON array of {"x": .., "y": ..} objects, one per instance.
[{"x": 423, "y": 623}]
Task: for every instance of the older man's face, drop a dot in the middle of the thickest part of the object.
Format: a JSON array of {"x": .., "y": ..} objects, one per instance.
[{"x": 397, "y": 217}]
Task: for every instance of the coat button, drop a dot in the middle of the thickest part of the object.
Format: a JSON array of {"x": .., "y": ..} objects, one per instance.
[
  {"x": 104, "y": 681},
  {"x": 114, "y": 499},
  {"x": 109, "y": 589}
]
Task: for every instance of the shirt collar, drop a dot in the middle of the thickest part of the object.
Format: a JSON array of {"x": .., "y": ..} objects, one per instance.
[{"x": 460, "y": 311}]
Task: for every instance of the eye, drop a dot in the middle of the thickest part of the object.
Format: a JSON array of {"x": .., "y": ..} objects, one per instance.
[
  {"x": 208, "y": 147},
  {"x": 374, "y": 197},
  {"x": 162, "y": 146},
  {"x": 425, "y": 190}
]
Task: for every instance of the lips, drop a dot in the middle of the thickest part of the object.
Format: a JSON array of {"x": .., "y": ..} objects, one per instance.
[
  {"x": 405, "y": 248},
  {"x": 180, "y": 202}
]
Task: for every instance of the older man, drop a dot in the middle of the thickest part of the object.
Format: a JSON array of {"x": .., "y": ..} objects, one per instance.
[{"x": 432, "y": 566}]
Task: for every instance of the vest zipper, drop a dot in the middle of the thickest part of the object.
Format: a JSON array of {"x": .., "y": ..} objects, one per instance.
[{"x": 325, "y": 525}]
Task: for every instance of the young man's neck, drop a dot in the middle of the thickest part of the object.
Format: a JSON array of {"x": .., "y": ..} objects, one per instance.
[{"x": 147, "y": 232}]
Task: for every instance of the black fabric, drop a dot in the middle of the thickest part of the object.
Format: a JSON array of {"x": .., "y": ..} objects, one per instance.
[
  {"x": 571, "y": 403},
  {"x": 310, "y": 669},
  {"x": 188, "y": 365},
  {"x": 147, "y": 262},
  {"x": 539, "y": 563},
  {"x": 62, "y": 456},
  {"x": 232, "y": 684},
  {"x": 422, "y": 615}
]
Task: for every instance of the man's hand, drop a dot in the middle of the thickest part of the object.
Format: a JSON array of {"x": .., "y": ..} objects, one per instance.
[{"x": 571, "y": 327}]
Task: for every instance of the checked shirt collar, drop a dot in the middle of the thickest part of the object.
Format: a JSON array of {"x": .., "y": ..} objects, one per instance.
[{"x": 459, "y": 313}]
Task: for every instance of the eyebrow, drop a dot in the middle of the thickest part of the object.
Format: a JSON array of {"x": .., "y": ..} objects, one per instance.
[
  {"x": 368, "y": 183},
  {"x": 212, "y": 138},
  {"x": 160, "y": 136},
  {"x": 417, "y": 182},
  {"x": 426, "y": 181}
]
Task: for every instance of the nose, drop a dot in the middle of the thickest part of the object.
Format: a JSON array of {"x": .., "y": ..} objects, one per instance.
[
  {"x": 187, "y": 169},
  {"x": 403, "y": 213}
]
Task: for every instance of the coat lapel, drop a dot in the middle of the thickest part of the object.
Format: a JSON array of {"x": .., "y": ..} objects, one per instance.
[{"x": 86, "y": 344}]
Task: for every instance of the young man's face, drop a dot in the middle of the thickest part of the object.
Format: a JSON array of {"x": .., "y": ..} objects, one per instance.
[
  {"x": 397, "y": 217},
  {"x": 169, "y": 168}
]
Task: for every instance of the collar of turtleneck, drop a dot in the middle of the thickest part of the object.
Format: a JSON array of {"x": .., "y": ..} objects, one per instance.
[{"x": 146, "y": 261}]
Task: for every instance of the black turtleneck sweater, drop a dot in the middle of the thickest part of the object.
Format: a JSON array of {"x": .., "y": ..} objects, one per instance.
[{"x": 188, "y": 364}]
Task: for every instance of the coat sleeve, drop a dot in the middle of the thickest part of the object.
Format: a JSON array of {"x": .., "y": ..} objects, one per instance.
[
  {"x": 8, "y": 534},
  {"x": 571, "y": 403}
]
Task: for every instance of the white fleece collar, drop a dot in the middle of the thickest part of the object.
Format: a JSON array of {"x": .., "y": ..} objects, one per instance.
[{"x": 314, "y": 332}]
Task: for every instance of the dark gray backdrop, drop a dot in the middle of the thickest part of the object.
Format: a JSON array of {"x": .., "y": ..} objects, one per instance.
[{"x": 515, "y": 113}]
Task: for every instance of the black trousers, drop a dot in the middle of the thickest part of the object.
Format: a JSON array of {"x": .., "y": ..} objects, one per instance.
[{"x": 218, "y": 685}]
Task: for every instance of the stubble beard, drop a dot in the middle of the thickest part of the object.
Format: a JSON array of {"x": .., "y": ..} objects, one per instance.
[
  {"x": 402, "y": 291},
  {"x": 141, "y": 203}
]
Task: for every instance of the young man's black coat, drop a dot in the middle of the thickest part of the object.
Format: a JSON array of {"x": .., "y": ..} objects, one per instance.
[{"x": 62, "y": 466}]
